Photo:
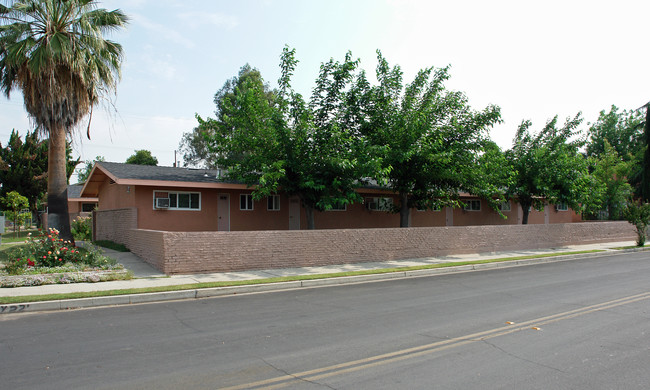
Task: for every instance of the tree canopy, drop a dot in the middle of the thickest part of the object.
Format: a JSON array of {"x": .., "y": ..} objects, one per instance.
[
  {"x": 142, "y": 157},
  {"x": 550, "y": 169},
  {"x": 430, "y": 137},
  {"x": 279, "y": 141},
  {"x": 194, "y": 146},
  {"x": 55, "y": 52},
  {"x": 14, "y": 204},
  {"x": 84, "y": 172},
  {"x": 25, "y": 167}
]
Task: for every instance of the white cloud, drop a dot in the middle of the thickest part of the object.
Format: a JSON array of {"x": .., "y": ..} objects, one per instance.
[
  {"x": 194, "y": 19},
  {"x": 164, "y": 31}
]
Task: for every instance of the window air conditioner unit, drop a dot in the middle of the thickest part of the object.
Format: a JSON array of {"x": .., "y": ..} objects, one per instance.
[{"x": 162, "y": 203}]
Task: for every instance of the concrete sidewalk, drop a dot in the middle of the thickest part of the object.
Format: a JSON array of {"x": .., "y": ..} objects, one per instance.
[{"x": 147, "y": 276}]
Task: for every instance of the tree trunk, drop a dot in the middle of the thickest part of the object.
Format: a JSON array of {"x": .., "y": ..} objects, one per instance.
[
  {"x": 645, "y": 173},
  {"x": 404, "y": 211},
  {"x": 309, "y": 213},
  {"x": 525, "y": 207},
  {"x": 57, "y": 185}
]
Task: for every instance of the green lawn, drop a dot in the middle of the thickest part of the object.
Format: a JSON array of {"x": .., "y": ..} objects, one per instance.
[{"x": 21, "y": 236}]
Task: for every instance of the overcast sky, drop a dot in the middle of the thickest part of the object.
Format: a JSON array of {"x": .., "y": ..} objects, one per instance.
[{"x": 533, "y": 59}]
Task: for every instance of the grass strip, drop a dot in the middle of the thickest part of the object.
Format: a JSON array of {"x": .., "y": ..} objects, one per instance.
[
  {"x": 111, "y": 245},
  {"x": 9, "y": 238},
  {"x": 194, "y": 286}
]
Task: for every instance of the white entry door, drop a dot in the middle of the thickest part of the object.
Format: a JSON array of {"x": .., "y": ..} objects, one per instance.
[{"x": 223, "y": 213}]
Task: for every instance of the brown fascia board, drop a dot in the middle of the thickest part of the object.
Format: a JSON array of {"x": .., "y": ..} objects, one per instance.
[{"x": 92, "y": 173}]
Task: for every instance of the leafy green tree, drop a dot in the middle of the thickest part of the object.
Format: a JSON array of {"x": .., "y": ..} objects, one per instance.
[
  {"x": 142, "y": 157},
  {"x": 430, "y": 137},
  {"x": 14, "y": 205},
  {"x": 638, "y": 214},
  {"x": 550, "y": 168},
  {"x": 610, "y": 171},
  {"x": 193, "y": 146},
  {"x": 26, "y": 167},
  {"x": 285, "y": 143},
  {"x": 55, "y": 53},
  {"x": 84, "y": 173},
  {"x": 623, "y": 131}
]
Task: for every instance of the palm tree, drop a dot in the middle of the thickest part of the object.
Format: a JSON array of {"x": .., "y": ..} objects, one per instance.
[{"x": 55, "y": 53}]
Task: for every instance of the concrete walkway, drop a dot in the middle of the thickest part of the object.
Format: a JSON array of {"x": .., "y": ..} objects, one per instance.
[{"x": 147, "y": 276}]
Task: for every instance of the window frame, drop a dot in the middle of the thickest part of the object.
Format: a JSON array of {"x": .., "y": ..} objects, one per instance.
[
  {"x": 469, "y": 205},
  {"x": 84, "y": 208},
  {"x": 177, "y": 193},
  {"x": 562, "y": 206},
  {"x": 249, "y": 202},
  {"x": 501, "y": 208},
  {"x": 384, "y": 203},
  {"x": 271, "y": 202},
  {"x": 334, "y": 208}
]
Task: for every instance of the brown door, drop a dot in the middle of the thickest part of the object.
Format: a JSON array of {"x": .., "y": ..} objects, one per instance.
[
  {"x": 294, "y": 213},
  {"x": 223, "y": 213}
]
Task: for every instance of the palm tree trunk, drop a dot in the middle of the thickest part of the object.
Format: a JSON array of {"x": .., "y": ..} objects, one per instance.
[{"x": 57, "y": 184}]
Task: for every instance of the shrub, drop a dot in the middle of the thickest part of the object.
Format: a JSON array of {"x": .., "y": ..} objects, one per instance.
[
  {"x": 82, "y": 228},
  {"x": 18, "y": 265},
  {"x": 638, "y": 214},
  {"x": 48, "y": 250}
]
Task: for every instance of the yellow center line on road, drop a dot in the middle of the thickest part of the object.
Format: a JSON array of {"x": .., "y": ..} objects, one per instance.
[{"x": 409, "y": 353}]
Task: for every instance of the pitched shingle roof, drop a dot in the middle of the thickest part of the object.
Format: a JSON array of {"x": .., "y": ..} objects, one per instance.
[
  {"x": 147, "y": 172},
  {"x": 74, "y": 191}
]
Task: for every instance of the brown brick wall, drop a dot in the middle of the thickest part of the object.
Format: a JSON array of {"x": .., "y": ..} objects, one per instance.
[
  {"x": 234, "y": 251},
  {"x": 115, "y": 225},
  {"x": 197, "y": 252}
]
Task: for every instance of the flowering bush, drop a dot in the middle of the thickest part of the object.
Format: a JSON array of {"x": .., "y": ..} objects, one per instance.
[
  {"x": 82, "y": 229},
  {"x": 48, "y": 250}
]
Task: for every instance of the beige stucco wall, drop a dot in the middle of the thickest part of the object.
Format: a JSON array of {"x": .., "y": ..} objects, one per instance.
[{"x": 356, "y": 216}]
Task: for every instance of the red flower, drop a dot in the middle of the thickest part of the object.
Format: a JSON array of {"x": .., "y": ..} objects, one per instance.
[
  {"x": 60, "y": 259},
  {"x": 30, "y": 263}
]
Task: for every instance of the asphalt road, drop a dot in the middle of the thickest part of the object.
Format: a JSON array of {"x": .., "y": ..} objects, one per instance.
[{"x": 582, "y": 324}]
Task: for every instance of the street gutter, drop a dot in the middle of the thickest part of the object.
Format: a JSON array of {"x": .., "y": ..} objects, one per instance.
[{"x": 198, "y": 293}]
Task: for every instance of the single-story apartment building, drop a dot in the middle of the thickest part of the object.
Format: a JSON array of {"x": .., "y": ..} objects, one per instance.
[
  {"x": 78, "y": 206},
  {"x": 193, "y": 200}
]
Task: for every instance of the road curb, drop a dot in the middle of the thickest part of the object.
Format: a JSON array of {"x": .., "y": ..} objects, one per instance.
[{"x": 128, "y": 299}]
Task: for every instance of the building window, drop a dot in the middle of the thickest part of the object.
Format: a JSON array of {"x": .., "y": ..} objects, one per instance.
[
  {"x": 562, "y": 207},
  {"x": 435, "y": 207},
  {"x": 505, "y": 205},
  {"x": 88, "y": 207},
  {"x": 472, "y": 205},
  {"x": 379, "y": 204},
  {"x": 245, "y": 202},
  {"x": 339, "y": 207},
  {"x": 177, "y": 200},
  {"x": 273, "y": 203}
]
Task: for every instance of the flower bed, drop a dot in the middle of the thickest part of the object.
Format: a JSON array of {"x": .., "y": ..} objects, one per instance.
[
  {"x": 63, "y": 278},
  {"x": 47, "y": 259}
]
